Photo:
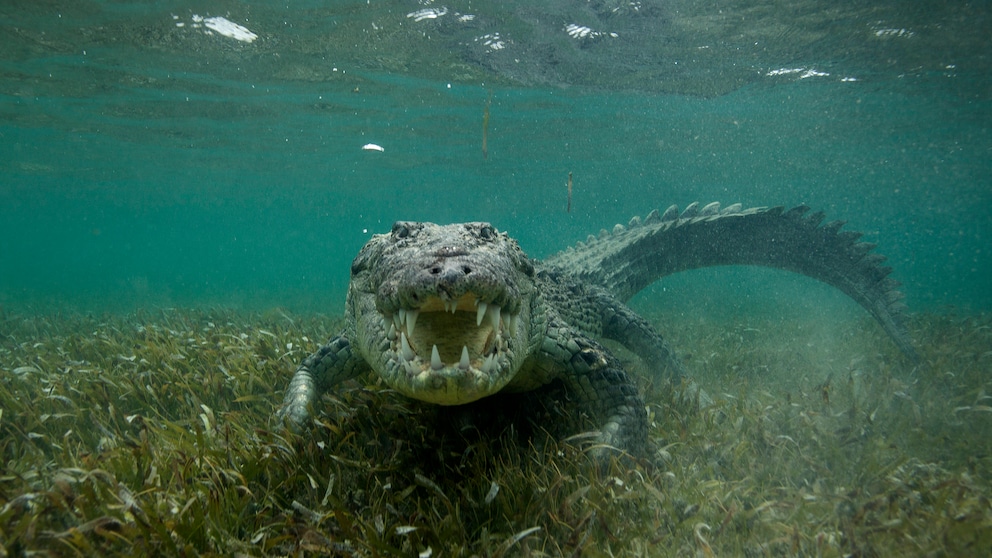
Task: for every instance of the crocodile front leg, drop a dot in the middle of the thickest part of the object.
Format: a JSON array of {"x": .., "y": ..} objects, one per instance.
[
  {"x": 330, "y": 365},
  {"x": 597, "y": 382}
]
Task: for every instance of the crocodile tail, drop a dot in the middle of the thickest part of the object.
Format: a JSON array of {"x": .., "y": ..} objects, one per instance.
[{"x": 627, "y": 259}]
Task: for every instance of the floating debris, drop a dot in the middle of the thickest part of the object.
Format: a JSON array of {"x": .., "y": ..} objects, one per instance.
[
  {"x": 492, "y": 40},
  {"x": 800, "y": 73},
  {"x": 576, "y": 31},
  {"x": 568, "y": 185},
  {"x": 485, "y": 126},
  {"x": 887, "y": 33},
  {"x": 427, "y": 13},
  {"x": 221, "y": 26}
]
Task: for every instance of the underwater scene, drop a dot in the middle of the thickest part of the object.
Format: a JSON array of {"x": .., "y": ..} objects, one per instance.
[{"x": 737, "y": 254}]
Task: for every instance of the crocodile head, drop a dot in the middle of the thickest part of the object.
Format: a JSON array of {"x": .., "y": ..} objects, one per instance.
[{"x": 442, "y": 313}]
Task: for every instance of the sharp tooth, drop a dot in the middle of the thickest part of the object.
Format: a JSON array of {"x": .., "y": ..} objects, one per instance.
[
  {"x": 391, "y": 334},
  {"x": 513, "y": 324},
  {"x": 464, "y": 362},
  {"x": 397, "y": 321},
  {"x": 480, "y": 313},
  {"x": 405, "y": 348},
  {"x": 411, "y": 321},
  {"x": 487, "y": 365},
  {"x": 494, "y": 310},
  {"x": 436, "y": 363}
]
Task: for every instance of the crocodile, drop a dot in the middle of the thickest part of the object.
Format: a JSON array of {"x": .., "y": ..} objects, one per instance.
[{"x": 450, "y": 314}]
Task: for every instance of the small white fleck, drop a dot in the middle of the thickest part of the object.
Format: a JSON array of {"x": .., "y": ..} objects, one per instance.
[{"x": 372, "y": 147}]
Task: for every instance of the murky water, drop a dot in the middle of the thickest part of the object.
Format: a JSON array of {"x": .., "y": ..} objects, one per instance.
[{"x": 178, "y": 154}]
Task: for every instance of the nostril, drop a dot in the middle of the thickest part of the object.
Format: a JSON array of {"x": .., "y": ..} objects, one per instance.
[
  {"x": 466, "y": 269},
  {"x": 436, "y": 270}
]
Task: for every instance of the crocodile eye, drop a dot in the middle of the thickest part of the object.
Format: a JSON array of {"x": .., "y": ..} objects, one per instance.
[
  {"x": 400, "y": 230},
  {"x": 486, "y": 232}
]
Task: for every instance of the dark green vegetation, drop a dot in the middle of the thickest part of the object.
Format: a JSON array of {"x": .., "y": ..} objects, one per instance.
[{"x": 151, "y": 434}]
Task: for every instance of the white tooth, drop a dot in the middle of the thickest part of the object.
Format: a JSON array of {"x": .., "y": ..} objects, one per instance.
[
  {"x": 397, "y": 321},
  {"x": 464, "y": 362},
  {"x": 406, "y": 349},
  {"x": 436, "y": 363},
  {"x": 513, "y": 324},
  {"x": 487, "y": 366},
  {"x": 454, "y": 306},
  {"x": 391, "y": 334},
  {"x": 411, "y": 320},
  {"x": 480, "y": 313},
  {"x": 494, "y": 310}
]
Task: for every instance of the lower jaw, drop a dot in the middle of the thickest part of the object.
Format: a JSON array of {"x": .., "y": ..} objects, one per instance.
[{"x": 443, "y": 388}]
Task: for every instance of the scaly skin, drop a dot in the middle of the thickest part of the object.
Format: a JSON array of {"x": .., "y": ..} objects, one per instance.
[{"x": 451, "y": 314}]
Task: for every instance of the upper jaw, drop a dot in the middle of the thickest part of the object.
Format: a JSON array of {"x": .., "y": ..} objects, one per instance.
[{"x": 398, "y": 295}]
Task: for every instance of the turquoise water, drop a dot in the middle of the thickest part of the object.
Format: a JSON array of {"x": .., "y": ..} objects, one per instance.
[{"x": 148, "y": 163}]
